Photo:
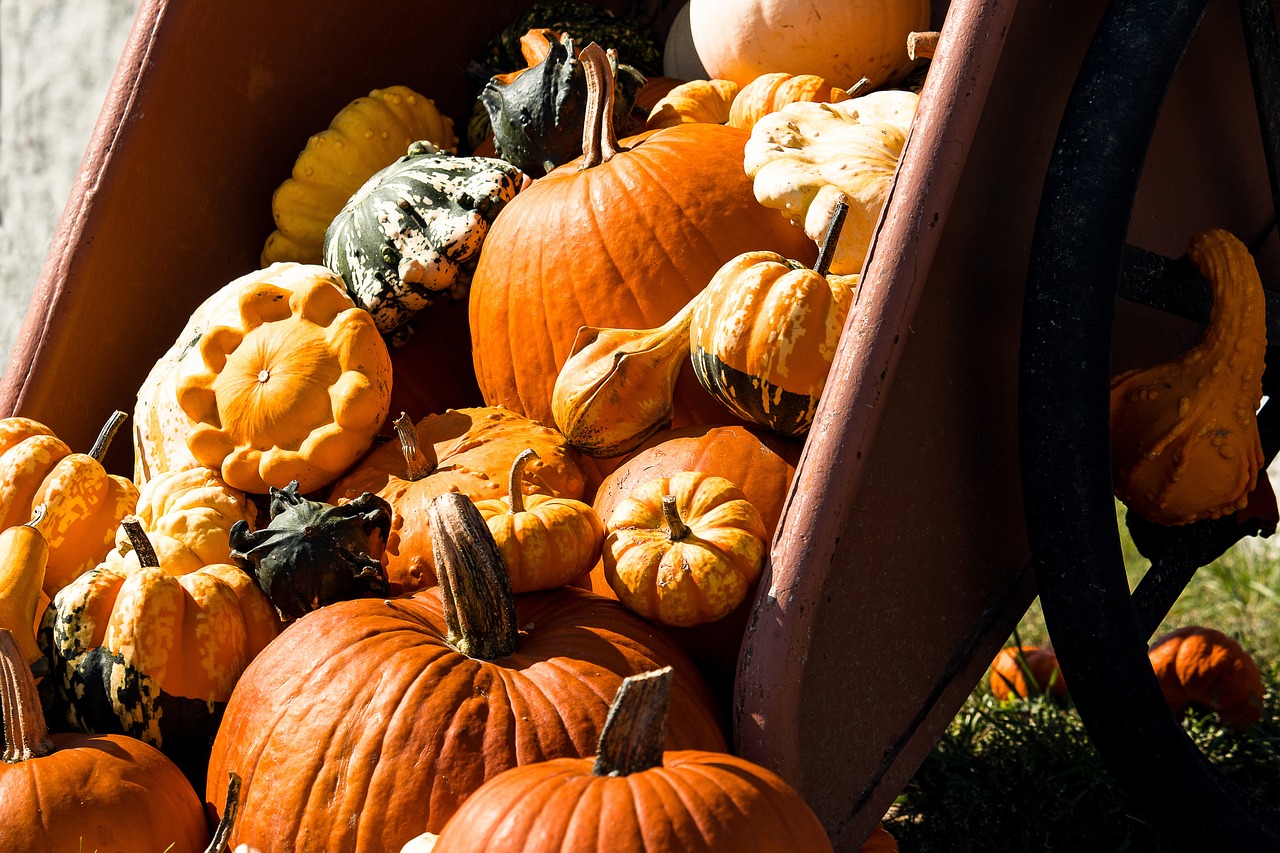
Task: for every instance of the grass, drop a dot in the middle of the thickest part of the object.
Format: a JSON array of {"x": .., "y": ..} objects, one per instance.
[{"x": 1023, "y": 775}]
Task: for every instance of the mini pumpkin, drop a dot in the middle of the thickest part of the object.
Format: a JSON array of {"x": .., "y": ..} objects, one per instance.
[
  {"x": 293, "y": 387},
  {"x": 684, "y": 550},
  {"x": 1202, "y": 666},
  {"x": 1026, "y": 671},
  {"x": 366, "y": 135}
]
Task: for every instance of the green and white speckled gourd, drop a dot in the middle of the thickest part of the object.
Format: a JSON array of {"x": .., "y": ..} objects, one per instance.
[{"x": 412, "y": 233}]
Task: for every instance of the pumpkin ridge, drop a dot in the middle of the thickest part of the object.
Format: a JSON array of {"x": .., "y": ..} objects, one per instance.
[{"x": 694, "y": 810}]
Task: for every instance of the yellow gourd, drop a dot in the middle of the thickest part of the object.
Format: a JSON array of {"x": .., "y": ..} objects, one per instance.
[
  {"x": 698, "y": 101},
  {"x": 24, "y": 553},
  {"x": 769, "y": 93}
]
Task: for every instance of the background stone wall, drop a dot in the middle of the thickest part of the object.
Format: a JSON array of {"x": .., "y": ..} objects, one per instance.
[{"x": 57, "y": 58}]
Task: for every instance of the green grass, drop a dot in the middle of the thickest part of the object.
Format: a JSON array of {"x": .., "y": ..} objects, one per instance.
[{"x": 1023, "y": 776}]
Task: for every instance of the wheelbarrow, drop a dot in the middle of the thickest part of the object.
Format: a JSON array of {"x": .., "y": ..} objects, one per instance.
[{"x": 905, "y": 555}]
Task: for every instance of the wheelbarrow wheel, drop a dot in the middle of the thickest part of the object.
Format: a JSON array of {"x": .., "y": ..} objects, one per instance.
[{"x": 1064, "y": 405}]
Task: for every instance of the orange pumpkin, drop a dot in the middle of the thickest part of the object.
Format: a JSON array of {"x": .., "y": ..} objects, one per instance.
[
  {"x": 1025, "y": 671},
  {"x": 470, "y": 451},
  {"x": 622, "y": 238},
  {"x": 1203, "y": 666}
]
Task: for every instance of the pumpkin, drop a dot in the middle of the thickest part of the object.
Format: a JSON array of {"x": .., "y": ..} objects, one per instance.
[
  {"x": 880, "y": 841},
  {"x": 765, "y": 331},
  {"x": 1184, "y": 435},
  {"x": 293, "y": 387},
  {"x": 545, "y": 541},
  {"x": 67, "y": 792},
  {"x": 365, "y": 136},
  {"x": 83, "y": 503},
  {"x": 684, "y": 550},
  {"x": 470, "y": 451},
  {"x": 769, "y": 93},
  {"x": 739, "y": 40},
  {"x": 637, "y": 794},
  {"x": 468, "y": 682},
  {"x": 1202, "y": 666},
  {"x": 312, "y": 554},
  {"x": 617, "y": 241},
  {"x": 694, "y": 102},
  {"x": 153, "y": 650},
  {"x": 1026, "y": 671},
  {"x": 806, "y": 157},
  {"x": 24, "y": 554},
  {"x": 412, "y": 233}
]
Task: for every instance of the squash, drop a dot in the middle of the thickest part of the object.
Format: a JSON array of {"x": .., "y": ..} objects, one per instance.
[
  {"x": 617, "y": 241},
  {"x": 412, "y": 233},
  {"x": 739, "y": 40},
  {"x": 1184, "y": 435},
  {"x": 293, "y": 387},
  {"x": 806, "y": 156},
  {"x": 697, "y": 101},
  {"x": 684, "y": 550},
  {"x": 62, "y": 792},
  {"x": 769, "y": 93},
  {"x": 312, "y": 554},
  {"x": 765, "y": 331},
  {"x": 636, "y": 795},
  {"x": 366, "y": 135},
  {"x": 545, "y": 541},
  {"x": 153, "y": 650},
  {"x": 24, "y": 554},
  {"x": 470, "y": 451},
  {"x": 1026, "y": 671},
  {"x": 468, "y": 682},
  {"x": 1202, "y": 666}
]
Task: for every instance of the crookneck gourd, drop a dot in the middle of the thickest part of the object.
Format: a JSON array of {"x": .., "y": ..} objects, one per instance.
[
  {"x": 412, "y": 234},
  {"x": 429, "y": 695},
  {"x": 153, "y": 650},
  {"x": 763, "y": 334},
  {"x": 366, "y": 135},
  {"x": 806, "y": 156},
  {"x": 1184, "y": 435},
  {"x": 313, "y": 554},
  {"x": 292, "y": 386},
  {"x": 24, "y": 553}
]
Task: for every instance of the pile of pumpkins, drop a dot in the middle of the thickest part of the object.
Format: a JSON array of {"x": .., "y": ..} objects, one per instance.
[{"x": 344, "y": 627}]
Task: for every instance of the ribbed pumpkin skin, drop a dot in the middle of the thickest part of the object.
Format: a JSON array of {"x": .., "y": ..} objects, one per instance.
[
  {"x": 1008, "y": 679},
  {"x": 696, "y": 802},
  {"x": 625, "y": 244},
  {"x": 1203, "y": 666},
  {"x": 359, "y": 728}
]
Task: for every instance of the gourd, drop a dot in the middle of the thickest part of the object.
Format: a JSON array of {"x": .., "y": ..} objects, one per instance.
[
  {"x": 293, "y": 386},
  {"x": 469, "y": 682},
  {"x": 739, "y": 40},
  {"x": 312, "y": 554},
  {"x": 763, "y": 334},
  {"x": 769, "y": 93},
  {"x": 366, "y": 135},
  {"x": 153, "y": 650},
  {"x": 622, "y": 239},
  {"x": 806, "y": 156},
  {"x": 1026, "y": 671},
  {"x": 107, "y": 792},
  {"x": 412, "y": 233},
  {"x": 545, "y": 541},
  {"x": 1202, "y": 666},
  {"x": 469, "y": 451},
  {"x": 83, "y": 503},
  {"x": 24, "y": 554},
  {"x": 697, "y": 101},
  {"x": 638, "y": 793},
  {"x": 1184, "y": 436},
  {"x": 684, "y": 550}
]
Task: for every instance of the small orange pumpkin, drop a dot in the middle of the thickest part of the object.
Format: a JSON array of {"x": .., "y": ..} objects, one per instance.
[
  {"x": 1025, "y": 671},
  {"x": 1203, "y": 666}
]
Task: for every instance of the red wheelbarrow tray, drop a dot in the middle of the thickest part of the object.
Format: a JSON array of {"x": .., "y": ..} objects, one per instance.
[{"x": 900, "y": 566}]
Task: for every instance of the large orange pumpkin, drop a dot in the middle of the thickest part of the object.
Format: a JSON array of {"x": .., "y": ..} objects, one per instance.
[
  {"x": 366, "y": 723},
  {"x": 623, "y": 243}
]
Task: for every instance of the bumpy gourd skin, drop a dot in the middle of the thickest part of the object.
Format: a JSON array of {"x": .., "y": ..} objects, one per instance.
[{"x": 1184, "y": 434}]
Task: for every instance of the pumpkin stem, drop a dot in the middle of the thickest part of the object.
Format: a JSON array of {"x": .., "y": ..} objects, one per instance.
[
  {"x": 517, "y": 474},
  {"x": 418, "y": 463},
  {"x": 475, "y": 589},
  {"x": 827, "y": 250},
  {"x": 221, "y": 841},
  {"x": 676, "y": 528},
  {"x": 141, "y": 544},
  {"x": 922, "y": 45},
  {"x": 26, "y": 735},
  {"x": 599, "y": 139},
  {"x": 635, "y": 731},
  {"x": 37, "y": 516},
  {"x": 109, "y": 430}
]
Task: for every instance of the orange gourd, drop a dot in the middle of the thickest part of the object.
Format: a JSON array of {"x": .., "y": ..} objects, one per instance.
[
  {"x": 24, "y": 554},
  {"x": 1203, "y": 666},
  {"x": 1025, "y": 671}
]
